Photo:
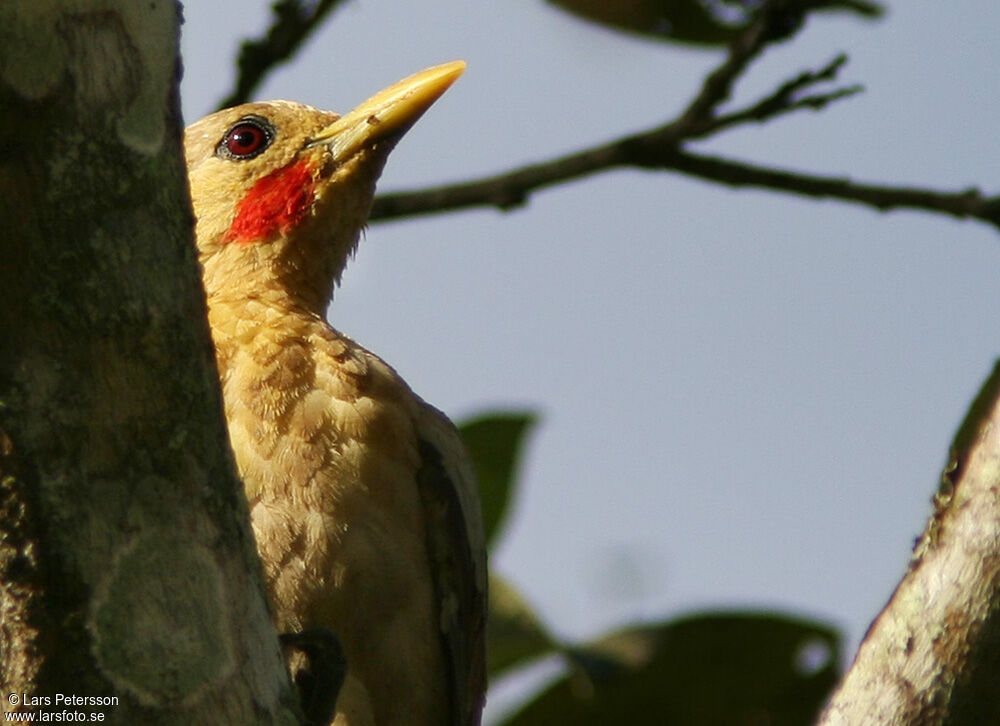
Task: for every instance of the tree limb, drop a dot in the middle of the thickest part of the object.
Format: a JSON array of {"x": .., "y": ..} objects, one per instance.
[
  {"x": 663, "y": 148},
  {"x": 931, "y": 657},
  {"x": 505, "y": 191},
  {"x": 970, "y": 203}
]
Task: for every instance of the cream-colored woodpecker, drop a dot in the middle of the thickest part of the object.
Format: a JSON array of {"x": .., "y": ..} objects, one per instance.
[{"x": 362, "y": 499}]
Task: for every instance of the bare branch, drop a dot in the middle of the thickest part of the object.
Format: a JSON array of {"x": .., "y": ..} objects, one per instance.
[
  {"x": 506, "y": 191},
  {"x": 294, "y": 21},
  {"x": 969, "y": 203},
  {"x": 662, "y": 148},
  {"x": 512, "y": 189}
]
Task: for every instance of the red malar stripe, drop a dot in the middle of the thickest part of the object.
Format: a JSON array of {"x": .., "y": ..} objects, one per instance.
[{"x": 275, "y": 203}]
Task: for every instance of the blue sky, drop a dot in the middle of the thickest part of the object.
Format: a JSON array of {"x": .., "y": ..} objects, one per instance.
[{"x": 746, "y": 398}]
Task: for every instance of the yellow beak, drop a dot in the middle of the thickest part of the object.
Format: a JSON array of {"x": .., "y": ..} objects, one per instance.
[{"x": 390, "y": 112}]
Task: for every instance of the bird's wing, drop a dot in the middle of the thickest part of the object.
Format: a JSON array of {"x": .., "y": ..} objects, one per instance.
[{"x": 457, "y": 548}]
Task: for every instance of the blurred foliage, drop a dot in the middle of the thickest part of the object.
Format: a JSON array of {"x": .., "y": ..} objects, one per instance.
[
  {"x": 706, "y": 670},
  {"x": 495, "y": 442},
  {"x": 699, "y": 22},
  {"x": 515, "y": 635}
]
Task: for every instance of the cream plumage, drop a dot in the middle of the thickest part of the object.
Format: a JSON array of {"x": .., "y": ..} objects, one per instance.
[{"x": 362, "y": 501}]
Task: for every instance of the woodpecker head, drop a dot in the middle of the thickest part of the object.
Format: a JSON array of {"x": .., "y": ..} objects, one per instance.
[{"x": 281, "y": 191}]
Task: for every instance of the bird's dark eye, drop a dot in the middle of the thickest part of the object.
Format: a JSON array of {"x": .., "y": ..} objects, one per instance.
[{"x": 246, "y": 139}]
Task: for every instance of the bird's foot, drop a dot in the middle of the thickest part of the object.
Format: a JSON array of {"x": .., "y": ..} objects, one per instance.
[{"x": 319, "y": 681}]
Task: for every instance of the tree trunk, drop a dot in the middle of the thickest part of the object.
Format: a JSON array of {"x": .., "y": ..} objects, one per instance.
[{"x": 127, "y": 567}]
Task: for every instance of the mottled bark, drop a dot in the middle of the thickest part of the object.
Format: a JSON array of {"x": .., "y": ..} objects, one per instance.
[
  {"x": 126, "y": 565},
  {"x": 932, "y": 656}
]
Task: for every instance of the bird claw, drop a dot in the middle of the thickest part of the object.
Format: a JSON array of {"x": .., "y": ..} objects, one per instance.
[{"x": 319, "y": 681}]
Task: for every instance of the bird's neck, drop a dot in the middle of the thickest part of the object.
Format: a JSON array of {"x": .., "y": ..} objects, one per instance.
[
  {"x": 245, "y": 320},
  {"x": 294, "y": 285}
]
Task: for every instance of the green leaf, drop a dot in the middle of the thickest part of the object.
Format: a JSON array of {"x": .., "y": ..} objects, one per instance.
[
  {"x": 864, "y": 8},
  {"x": 677, "y": 20},
  {"x": 515, "y": 634},
  {"x": 704, "y": 670},
  {"x": 701, "y": 22},
  {"x": 495, "y": 442}
]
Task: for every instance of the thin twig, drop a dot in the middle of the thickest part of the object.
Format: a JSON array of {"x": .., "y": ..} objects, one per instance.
[
  {"x": 294, "y": 21},
  {"x": 718, "y": 85},
  {"x": 784, "y": 100}
]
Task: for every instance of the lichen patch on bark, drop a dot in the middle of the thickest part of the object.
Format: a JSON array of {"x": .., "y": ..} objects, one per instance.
[{"x": 157, "y": 624}]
